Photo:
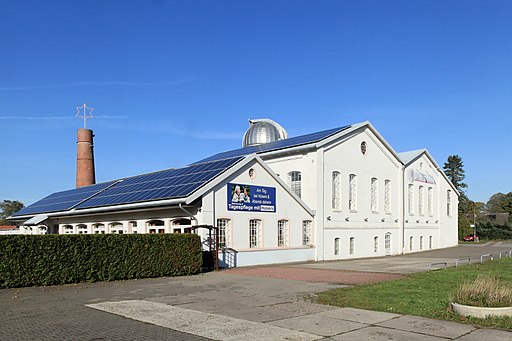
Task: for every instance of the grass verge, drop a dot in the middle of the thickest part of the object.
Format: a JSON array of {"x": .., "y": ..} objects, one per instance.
[{"x": 424, "y": 294}]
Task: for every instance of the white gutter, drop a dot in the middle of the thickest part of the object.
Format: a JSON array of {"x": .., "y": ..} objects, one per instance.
[
  {"x": 191, "y": 216},
  {"x": 109, "y": 208}
]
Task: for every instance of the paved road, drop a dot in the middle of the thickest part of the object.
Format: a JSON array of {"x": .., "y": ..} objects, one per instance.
[{"x": 222, "y": 305}]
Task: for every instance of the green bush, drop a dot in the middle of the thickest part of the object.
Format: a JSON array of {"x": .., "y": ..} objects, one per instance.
[
  {"x": 491, "y": 230},
  {"x": 28, "y": 260}
]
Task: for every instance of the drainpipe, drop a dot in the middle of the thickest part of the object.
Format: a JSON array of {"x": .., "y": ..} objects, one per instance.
[
  {"x": 405, "y": 189},
  {"x": 191, "y": 216}
]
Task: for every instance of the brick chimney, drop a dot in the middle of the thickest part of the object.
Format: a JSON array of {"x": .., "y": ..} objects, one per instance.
[{"x": 85, "y": 174}]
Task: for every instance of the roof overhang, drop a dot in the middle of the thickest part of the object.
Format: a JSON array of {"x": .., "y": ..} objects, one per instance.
[{"x": 35, "y": 220}]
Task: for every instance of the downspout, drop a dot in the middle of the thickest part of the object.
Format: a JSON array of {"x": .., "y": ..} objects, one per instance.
[
  {"x": 404, "y": 201},
  {"x": 191, "y": 216}
]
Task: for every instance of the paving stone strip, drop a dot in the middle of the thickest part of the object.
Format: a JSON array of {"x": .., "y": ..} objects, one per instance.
[{"x": 212, "y": 326}]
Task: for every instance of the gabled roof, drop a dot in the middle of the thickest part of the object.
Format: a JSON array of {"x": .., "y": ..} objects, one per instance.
[
  {"x": 411, "y": 156},
  {"x": 277, "y": 145},
  {"x": 408, "y": 157}
]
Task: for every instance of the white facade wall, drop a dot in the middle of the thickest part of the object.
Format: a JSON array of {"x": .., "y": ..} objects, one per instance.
[
  {"x": 363, "y": 222},
  {"x": 214, "y": 207},
  {"x": 423, "y": 223}
]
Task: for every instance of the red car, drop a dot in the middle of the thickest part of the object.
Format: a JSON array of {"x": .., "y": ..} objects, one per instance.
[{"x": 471, "y": 238}]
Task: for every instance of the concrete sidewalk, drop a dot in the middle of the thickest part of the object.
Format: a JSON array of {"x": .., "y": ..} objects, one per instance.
[{"x": 221, "y": 305}]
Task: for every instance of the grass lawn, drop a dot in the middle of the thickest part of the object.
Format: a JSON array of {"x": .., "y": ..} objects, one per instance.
[{"x": 423, "y": 294}]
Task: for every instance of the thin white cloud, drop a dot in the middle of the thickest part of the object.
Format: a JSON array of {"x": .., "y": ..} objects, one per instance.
[
  {"x": 33, "y": 118},
  {"x": 55, "y": 118},
  {"x": 99, "y": 83}
]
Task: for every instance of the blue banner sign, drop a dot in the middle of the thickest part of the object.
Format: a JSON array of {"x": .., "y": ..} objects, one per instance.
[{"x": 251, "y": 198}]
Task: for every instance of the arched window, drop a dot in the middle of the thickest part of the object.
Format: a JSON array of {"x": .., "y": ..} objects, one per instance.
[
  {"x": 430, "y": 242},
  {"x": 295, "y": 182},
  {"x": 421, "y": 195},
  {"x": 282, "y": 232},
  {"x": 410, "y": 196},
  {"x": 156, "y": 226},
  {"x": 81, "y": 228},
  {"x": 352, "y": 245},
  {"x": 411, "y": 239},
  {"x": 421, "y": 242},
  {"x": 336, "y": 190},
  {"x": 387, "y": 196},
  {"x": 374, "y": 195},
  {"x": 449, "y": 203},
  {"x": 387, "y": 243},
  {"x": 375, "y": 244},
  {"x": 352, "y": 194},
  {"x": 68, "y": 229},
  {"x": 336, "y": 246},
  {"x": 116, "y": 228},
  {"x": 98, "y": 228},
  {"x": 254, "y": 233},
  {"x": 430, "y": 201}
]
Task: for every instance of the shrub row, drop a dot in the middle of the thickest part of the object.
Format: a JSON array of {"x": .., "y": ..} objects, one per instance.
[
  {"x": 28, "y": 260},
  {"x": 490, "y": 230}
]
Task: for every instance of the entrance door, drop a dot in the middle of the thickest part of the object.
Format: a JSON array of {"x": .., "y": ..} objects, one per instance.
[{"x": 387, "y": 243}]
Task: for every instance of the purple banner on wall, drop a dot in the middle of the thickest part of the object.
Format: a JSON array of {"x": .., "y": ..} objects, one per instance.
[{"x": 251, "y": 198}]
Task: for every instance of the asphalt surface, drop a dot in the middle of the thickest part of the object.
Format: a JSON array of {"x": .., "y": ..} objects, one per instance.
[{"x": 231, "y": 306}]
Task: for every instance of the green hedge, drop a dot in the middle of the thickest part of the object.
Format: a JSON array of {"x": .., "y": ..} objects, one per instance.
[
  {"x": 58, "y": 259},
  {"x": 491, "y": 230}
]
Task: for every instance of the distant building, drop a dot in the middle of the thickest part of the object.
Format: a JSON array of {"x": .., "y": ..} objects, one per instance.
[
  {"x": 336, "y": 194},
  {"x": 499, "y": 218}
]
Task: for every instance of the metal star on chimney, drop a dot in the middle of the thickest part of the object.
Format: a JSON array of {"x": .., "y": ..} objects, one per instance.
[{"x": 81, "y": 112}]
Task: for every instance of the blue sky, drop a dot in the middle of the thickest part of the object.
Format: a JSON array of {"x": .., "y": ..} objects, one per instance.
[{"x": 175, "y": 81}]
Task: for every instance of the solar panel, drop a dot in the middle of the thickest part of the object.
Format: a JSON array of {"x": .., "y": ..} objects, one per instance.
[
  {"x": 271, "y": 146},
  {"x": 63, "y": 200},
  {"x": 167, "y": 184}
]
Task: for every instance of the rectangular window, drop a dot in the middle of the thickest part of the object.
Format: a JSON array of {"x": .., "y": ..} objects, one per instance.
[
  {"x": 336, "y": 190},
  {"x": 449, "y": 203},
  {"x": 352, "y": 246},
  {"x": 224, "y": 233},
  {"x": 430, "y": 242},
  {"x": 307, "y": 233},
  {"x": 294, "y": 181},
  {"x": 374, "y": 195},
  {"x": 254, "y": 233},
  {"x": 430, "y": 203},
  {"x": 282, "y": 233},
  {"x": 352, "y": 195},
  {"x": 375, "y": 244},
  {"x": 410, "y": 196},
  {"x": 387, "y": 196},
  {"x": 420, "y": 200},
  {"x": 336, "y": 246},
  {"x": 421, "y": 243}
]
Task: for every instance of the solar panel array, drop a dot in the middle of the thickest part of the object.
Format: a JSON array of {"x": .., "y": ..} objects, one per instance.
[
  {"x": 271, "y": 146},
  {"x": 64, "y": 200},
  {"x": 166, "y": 184}
]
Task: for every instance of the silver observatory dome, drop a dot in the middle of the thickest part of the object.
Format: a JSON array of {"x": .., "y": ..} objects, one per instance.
[{"x": 263, "y": 131}]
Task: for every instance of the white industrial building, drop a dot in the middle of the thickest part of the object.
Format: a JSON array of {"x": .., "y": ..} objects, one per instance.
[{"x": 337, "y": 194}]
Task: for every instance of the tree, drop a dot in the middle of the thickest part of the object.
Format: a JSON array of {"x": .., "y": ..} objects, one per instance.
[
  {"x": 500, "y": 203},
  {"x": 7, "y": 208},
  {"x": 454, "y": 170}
]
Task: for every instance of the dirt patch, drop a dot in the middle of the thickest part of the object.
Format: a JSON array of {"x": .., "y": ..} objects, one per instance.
[{"x": 314, "y": 275}]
